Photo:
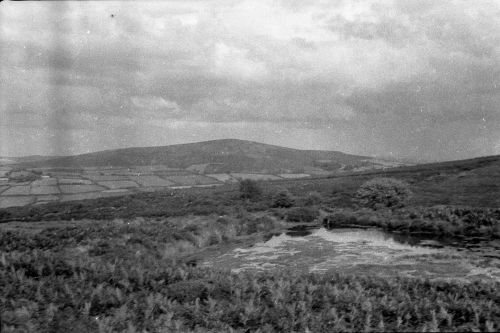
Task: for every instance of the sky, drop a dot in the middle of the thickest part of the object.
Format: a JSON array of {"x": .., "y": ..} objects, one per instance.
[{"x": 408, "y": 79}]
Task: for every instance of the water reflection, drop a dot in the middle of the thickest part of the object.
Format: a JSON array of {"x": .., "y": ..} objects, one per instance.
[
  {"x": 301, "y": 230},
  {"x": 415, "y": 239},
  {"x": 343, "y": 235},
  {"x": 271, "y": 235},
  {"x": 367, "y": 251}
]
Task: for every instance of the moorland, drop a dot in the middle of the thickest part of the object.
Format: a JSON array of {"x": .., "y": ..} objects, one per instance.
[{"x": 131, "y": 263}]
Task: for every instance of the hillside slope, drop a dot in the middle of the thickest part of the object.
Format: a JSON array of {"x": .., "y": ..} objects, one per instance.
[{"x": 215, "y": 156}]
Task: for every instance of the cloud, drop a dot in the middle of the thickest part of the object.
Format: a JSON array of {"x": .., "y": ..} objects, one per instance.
[
  {"x": 415, "y": 78},
  {"x": 236, "y": 63},
  {"x": 155, "y": 103}
]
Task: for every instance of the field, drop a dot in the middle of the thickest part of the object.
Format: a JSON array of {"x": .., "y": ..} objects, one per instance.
[
  {"x": 222, "y": 177},
  {"x": 254, "y": 176},
  {"x": 134, "y": 262},
  {"x": 294, "y": 175},
  {"x": 191, "y": 180},
  {"x": 92, "y": 183},
  {"x": 151, "y": 181}
]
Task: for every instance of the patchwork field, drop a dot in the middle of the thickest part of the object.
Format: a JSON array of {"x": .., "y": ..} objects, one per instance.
[
  {"x": 151, "y": 181},
  {"x": 254, "y": 176},
  {"x": 11, "y": 201},
  {"x": 192, "y": 180},
  {"x": 82, "y": 196},
  {"x": 41, "y": 190},
  {"x": 80, "y": 188},
  {"x": 223, "y": 177},
  {"x": 107, "y": 177},
  {"x": 45, "y": 182},
  {"x": 44, "y": 185},
  {"x": 294, "y": 175},
  {"x": 112, "y": 185},
  {"x": 75, "y": 181},
  {"x": 17, "y": 190}
]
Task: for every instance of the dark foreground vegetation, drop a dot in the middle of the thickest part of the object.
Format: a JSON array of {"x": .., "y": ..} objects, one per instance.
[
  {"x": 125, "y": 264},
  {"x": 131, "y": 276}
]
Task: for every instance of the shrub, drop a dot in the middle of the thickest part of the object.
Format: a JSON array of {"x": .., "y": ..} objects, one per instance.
[
  {"x": 312, "y": 198},
  {"x": 249, "y": 189},
  {"x": 383, "y": 192},
  {"x": 302, "y": 214},
  {"x": 188, "y": 291},
  {"x": 340, "y": 219},
  {"x": 4, "y": 215},
  {"x": 283, "y": 199},
  {"x": 29, "y": 177}
]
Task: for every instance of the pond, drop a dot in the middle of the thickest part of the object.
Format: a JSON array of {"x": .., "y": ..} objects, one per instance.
[{"x": 367, "y": 251}]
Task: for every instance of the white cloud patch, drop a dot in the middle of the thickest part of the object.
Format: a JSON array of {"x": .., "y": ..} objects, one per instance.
[
  {"x": 153, "y": 103},
  {"x": 189, "y": 19},
  {"x": 236, "y": 63}
]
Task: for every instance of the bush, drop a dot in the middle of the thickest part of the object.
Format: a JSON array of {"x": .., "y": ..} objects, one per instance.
[
  {"x": 283, "y": 199},
  {"x": 302, "y": 214},
  {"x": 312, "y": 198},
  {"x": 383, "y": 192},
  {"x": 340, "y": 219},
  {"x": 249, "y": 189}
]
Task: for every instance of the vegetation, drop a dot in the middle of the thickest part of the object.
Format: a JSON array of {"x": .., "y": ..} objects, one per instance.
[
  {"x": 250, "y": 189},
  {"x": 474, "y": 183},
  {"x": 439, "y": 220},
  {"x": 302, "y": 214},
  {"x": 131, "y": 276},
  {"x": 283, "y": 199},
  {"x": 19, "y": 176},
  {"x": 312, "y": 198},
  {"x": 383, "y": 192},
  {"x": 133, "y": 270}
]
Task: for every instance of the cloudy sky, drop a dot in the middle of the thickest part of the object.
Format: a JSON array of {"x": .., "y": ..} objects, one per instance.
[{"x": 404, "y": 78}]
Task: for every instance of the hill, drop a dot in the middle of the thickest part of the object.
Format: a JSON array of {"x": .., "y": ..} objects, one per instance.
[
  {"x": 467, "y": 182},
  {"x": 228, "y": 155}
]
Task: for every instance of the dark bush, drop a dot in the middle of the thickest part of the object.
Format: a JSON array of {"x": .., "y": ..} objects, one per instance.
[
  {"x": 100, "y": 248},
  {"x": 339, "y": 219},
  {"x": 188, "y": 291},
  {"x": 4, "y": 215},
  {"x": 283, "y": 199},
  {"x": 312, "y": 198},
  {"x": 250, "y": 189},
  {"x": 302, "y": 214},
  {"x": 383, "y": 192}
]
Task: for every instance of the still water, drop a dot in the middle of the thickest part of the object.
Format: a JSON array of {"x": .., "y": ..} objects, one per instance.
[{"x": 367, "y": 251}]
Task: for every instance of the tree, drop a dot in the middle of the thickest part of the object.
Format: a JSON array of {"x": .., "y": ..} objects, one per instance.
[
  {"x": 384, "y": 192},
  {"x": 283, "y": 199},
  {"x": 249, "y": 189},
  {"x": 312, "y": 198}
]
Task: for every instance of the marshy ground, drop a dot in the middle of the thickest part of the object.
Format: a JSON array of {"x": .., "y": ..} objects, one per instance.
[{"x": 366, "y": 251}]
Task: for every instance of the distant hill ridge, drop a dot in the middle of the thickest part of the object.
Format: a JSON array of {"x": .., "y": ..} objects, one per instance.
[{"x": 226, "y": 155}]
